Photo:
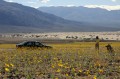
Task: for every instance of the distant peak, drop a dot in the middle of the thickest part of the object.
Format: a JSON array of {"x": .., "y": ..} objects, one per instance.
[
  {"x": 60, "y": 6},
  {"x": 107, "y": 7}
]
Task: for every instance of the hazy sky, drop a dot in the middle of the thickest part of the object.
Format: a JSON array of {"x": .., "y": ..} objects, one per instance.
[{"x": 37, "y": 3}]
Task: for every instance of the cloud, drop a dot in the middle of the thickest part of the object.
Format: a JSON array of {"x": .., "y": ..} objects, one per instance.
[
  {"x": 10, "y": 0},
  {"x": 107, "y": 7},
  {"x": 44, "y": 1},
  {"x": 113, "y": 0},
  {"x": 70, "y": 5},
  {"x": 31, "y": 2}
]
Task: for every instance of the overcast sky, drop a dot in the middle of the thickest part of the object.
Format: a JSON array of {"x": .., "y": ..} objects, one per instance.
[{"x": 38, "y": 3}]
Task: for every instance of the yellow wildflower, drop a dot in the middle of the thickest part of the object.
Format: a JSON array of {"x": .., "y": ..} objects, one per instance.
[
  {"x": 53, "y": 66},
  {"x": 56, "y": 78},
  {"x": 66, "y": 67},
  {"x": 59, "y": 64},
  {"x": 12, "y": 65},
  {"x": 7, "y": 65},
  {"x": 44, "y": 56},
  {"x": 66, "y": 74},
  {"x": 94, "y": 77},
  {"x": 58, "y": 70},
  {"x": 73, "y": 69},
  {"x": 87, "y": 72},
  {"x": 80, "y": 70},
  {"x": 6, "y": 69},
  {"x": 100, "y": 71},
  {"x": 60, "y": 61},
  {"x": 66, "y": 63},
  {"x": 55, "y": 58},
  {"x": 97, "y": 65}
]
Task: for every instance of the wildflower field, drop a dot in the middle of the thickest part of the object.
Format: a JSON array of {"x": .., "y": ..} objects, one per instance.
[{"x": 64, "y": 61}]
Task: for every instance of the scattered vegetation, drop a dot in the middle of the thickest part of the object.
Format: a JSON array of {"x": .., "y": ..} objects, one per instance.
[{"x": 64, "y": 61}]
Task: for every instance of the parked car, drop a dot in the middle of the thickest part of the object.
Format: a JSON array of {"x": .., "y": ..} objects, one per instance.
[{"x": 32, "y": 44}]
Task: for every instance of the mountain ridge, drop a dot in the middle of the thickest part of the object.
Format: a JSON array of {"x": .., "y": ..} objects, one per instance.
[
  {"x": 95, "y": 16},
  {"x": 15, "y": 17},
  {"x": 19, "y": 15}
]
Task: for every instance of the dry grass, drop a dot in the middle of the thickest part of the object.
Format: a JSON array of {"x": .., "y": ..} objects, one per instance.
[{"x": 64, "y": 61}]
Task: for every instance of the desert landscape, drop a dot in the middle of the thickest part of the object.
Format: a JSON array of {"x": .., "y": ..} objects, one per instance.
[
  {"x": 75, "y": 36},
  {"x": 73, "y": 56},
  {"x": 59, "y": 39}
]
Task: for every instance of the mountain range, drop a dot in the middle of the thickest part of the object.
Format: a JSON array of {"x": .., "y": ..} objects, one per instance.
[
  {"x": 15, "y": 17},
  {"x": 96, "y": 16}
]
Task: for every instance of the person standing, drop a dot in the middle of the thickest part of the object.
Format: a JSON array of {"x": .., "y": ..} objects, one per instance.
[{"x": 97, "y": 44}]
